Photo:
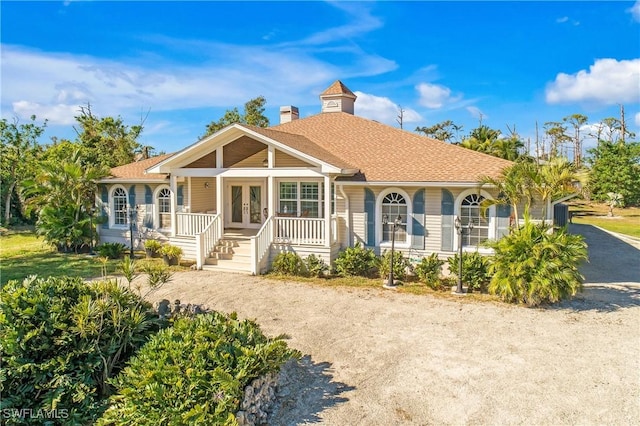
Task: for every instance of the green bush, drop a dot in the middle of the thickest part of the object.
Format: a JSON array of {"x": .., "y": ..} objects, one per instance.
[
  {"x": 111, "y": 250},
  {"x": 315, "y": 266},
  {"x": 356, "y": 260},
  {"x": 288, "y": 263},
  {"x": 429, "y": 269},
  {"x": 400, "y": 265},
  {"x": 194, "y": 372},
  {"x": 475, "y": 270},
  {"x": 62, "y": 339},
  {"x": 534, "y": 266},
  {"x": 152, "y": 247}
]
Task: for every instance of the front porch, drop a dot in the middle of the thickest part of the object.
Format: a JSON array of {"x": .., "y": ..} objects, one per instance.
[{"x": 203, "y": 237}]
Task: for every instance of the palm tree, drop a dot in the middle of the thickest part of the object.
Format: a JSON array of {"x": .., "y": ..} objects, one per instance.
[{"x": 557, "y": 178}]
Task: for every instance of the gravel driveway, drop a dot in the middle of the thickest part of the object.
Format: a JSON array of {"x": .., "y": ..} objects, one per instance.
[{"x": 376, "y": 357}]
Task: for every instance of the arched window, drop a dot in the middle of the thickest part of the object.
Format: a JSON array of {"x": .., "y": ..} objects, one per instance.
[
  {"x": 470, "y": 212},
  {"x": 163, "y": 205},
  {"x": 394, "y": 204},
  {"x": 119, "y": 197}
]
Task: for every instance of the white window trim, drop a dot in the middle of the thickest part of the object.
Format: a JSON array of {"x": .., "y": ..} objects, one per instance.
[
  {"x": 299, "y": 200},
  {"x": 379, "y": 199},
  {"x": 491, "y": 215},
  {"x": 156, "y": 207},
  {"x": 112, "y": 211}
]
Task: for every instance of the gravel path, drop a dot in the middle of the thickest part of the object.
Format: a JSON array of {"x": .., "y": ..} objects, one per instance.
[{"x": 376, "y": 357}]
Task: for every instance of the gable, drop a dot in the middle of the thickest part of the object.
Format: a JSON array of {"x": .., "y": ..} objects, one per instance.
[
  {"x": 238, "y": 150},
  {"x": 208, "y": 161}
]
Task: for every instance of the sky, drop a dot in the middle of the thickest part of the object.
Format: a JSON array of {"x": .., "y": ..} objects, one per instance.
[{"x": 180, "y": 65}]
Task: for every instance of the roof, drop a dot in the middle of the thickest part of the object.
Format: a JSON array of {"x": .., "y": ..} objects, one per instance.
[
  {"x": 338, "y": 88},
  {"x": 137, "y": 169},
  {"x": 386, "y": 154}
]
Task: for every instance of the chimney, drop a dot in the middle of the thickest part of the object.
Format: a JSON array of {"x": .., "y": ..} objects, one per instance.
[{"x": 288, "y": 113}]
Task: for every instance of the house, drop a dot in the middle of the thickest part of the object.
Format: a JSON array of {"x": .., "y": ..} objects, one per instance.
[{"x": 311, "y": 185}]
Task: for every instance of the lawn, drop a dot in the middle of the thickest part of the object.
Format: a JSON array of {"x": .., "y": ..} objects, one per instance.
[{"x": 625, "y": 221}]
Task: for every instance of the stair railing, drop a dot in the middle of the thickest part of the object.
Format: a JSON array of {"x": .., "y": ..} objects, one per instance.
[
  {"x": 207, "y": 240},
  {"x": 260, "y": 244}
]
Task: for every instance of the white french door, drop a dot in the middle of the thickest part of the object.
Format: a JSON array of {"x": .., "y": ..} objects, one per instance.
[{"x": 245, "y": 204}]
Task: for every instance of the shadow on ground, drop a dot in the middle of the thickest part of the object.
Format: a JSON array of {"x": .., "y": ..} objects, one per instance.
[
  {"x": 305, "y": 390},
  {"x": 612, "y": 275}
]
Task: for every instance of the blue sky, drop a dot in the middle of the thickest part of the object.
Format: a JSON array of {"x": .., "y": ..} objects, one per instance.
[{"x": 185, "y": 63}]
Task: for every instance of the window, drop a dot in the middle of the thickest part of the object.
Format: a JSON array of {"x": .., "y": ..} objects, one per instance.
[
  {"x": 119, "y": 207},
  {"x": 303, "y": 199},
  {"x": 394, "y": 205},
  {"x": 470, "y": 212},
  {"x": 164, "y": 208}
]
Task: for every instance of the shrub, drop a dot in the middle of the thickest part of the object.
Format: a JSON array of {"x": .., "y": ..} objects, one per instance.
[
  {"x": 356, "y": 260},
  {"x": 171, "y": 254},
  {"x": 315, "y": 265},
  {"x": 475, "y": 270},
  {"x": 400, "y": 265},
  {"x": 194, "y": 372},
  {"x": 533, "y": 266},
  {"x": 288, "y": 263},
  {"x": 428, "y": 270},
  {"x": 111, "y": 250},
  {"x": 62, "y": 339},
  {"x": 152, "y": 247}
]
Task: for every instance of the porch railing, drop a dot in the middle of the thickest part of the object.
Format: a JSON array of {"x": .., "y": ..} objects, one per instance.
[
  {"x": 206, "y": 240},
  {"x": 260, "y": 244},
  {"x": 190, "y": 224},
  {"x": 299, "y": 230}
]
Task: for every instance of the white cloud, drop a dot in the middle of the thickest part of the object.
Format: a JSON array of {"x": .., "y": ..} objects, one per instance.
[
  {"x": 435, "y": 96},
  {"x": 383, "y": 109},
  {"x": 636, "y": 119},
  {"x": 562, "y": 20},
  {"x": 58, "y": 113},
  {"x": 635, "y": 11},
  {"x": 476, "y": 112},
  {"x": 607, "y": 82}
]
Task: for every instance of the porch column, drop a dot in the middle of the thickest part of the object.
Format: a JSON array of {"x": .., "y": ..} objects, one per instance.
[
  {"x": 219, "y": 192},
  {"x": 173, "y": 186},
  {"x": 327, "y": 211},
  {"x": 271, "y": 203},
  {"x": 271, "y": 157}
]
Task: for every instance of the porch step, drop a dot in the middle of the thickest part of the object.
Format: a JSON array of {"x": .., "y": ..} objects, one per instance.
[{"x": 232, "y": 254}]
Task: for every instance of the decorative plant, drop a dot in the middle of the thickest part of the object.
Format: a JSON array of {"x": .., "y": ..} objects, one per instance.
[
  {"x": 534, "y": 266},
  {"x": 171, "y": 254},
  {"x": 614, "y": 200},
  {"x": 429, "y": 269},
  {"x": 111, "y": 250},
  {"x": 315, "y": 265},
  {"x": 129, "y": 269},
  {"x": 475, "y": 270},
  {"x": 288, "y": 263},
  {"x": 400, "y": 265},
  {"x": 152, "y": 247},
  {"x": 356, "y": 260}
]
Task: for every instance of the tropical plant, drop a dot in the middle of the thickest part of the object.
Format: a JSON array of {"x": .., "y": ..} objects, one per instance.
[
  {"x": 111, "y": 250},
  {"x": 356, "y": 260},
  {"x": 171, "y": 254},
  {"x": 475, "y": 270},
  {"x": 288, "y": 263},
  {"x": 315, "y": 266},
  {"x": 194, "y": 372},
  {"x": 152, "y": 247},
  {"x": 428, "y": 270},
  {"x": 400, "y": 265},
  {"x": 157, "y": 276},
  {"x": 62, "y": 339},
  {"x": 613, "y": 200},
  {"x": 129, "y": 269},
  {"x": 445, "y": 131},
  {"x": 533, "y": 265}
]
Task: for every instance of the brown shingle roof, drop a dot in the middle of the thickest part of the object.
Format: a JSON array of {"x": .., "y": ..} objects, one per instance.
[
  {"x": 387, "y": 154},
  {"x": 136, "y": 170},
  {"x": 338, "y": 88}
]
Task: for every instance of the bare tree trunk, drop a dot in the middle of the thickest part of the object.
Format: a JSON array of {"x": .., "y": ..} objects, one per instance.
[{"x": 7, "y": 204}]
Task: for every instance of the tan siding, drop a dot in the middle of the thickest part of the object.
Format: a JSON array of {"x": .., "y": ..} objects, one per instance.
[
  {"x": 358, "y": 216},
  {"x": 433, "y": 220},
  {"x": 240, "y": 149},
  {"x": 285, "y": 160},
  {"x": 252, "y": 161},
  {"x": 205, "y": 162},
  {"x": 202, "y": 199}
]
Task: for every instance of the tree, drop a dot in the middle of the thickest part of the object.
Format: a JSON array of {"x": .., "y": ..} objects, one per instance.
[
  {"x": 445, "y": 131},
  {"x": 106, "y": 141},
  {"x": 557, "y": 132},
  {"x": 615, "y": 167},
  {"x": 19, "y": 150},
  {"x": 62, "y": 194},
  {"x": 576, "y": 121},
  {"x": 253, "y": 115}
]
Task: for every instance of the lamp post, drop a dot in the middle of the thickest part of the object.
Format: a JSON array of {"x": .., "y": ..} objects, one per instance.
[
  {"x": 133, "y": 215},
  {"x": 461, "y": 231},
  {"x": 394, "y": 225},
  {"x": 91, "y": 211}
]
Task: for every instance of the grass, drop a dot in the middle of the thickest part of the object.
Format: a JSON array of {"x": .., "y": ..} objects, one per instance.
[
  {"x": 22, "y": 253},
  {"x": 625, "y": 221}
]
